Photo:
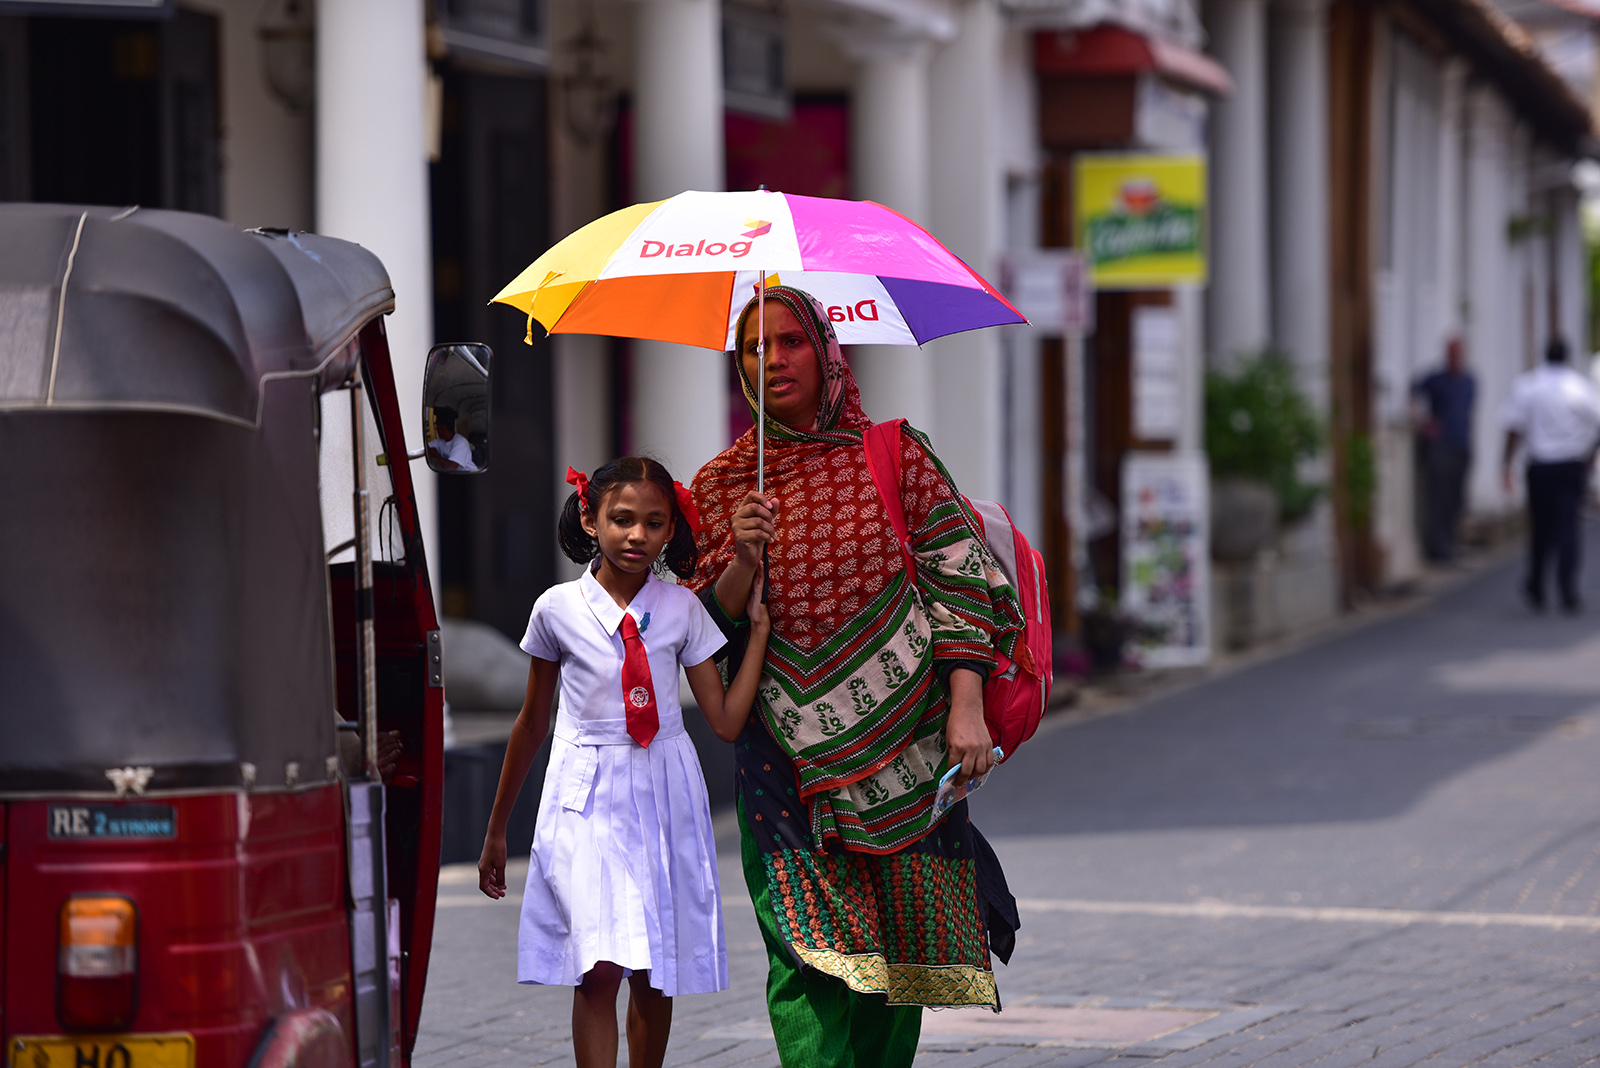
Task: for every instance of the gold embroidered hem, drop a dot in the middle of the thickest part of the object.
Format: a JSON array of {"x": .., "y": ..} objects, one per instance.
[{"x": 931, "y": 985}]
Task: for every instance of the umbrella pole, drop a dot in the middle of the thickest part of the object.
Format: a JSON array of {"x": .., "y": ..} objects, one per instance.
[{"x": 761, "y": 383}]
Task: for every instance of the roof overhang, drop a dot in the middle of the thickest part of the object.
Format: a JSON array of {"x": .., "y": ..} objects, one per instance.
[
  {"x": 936, "y": 20},
  {"x": 1502, "y": 52},
  {"x": 1110, "y": 50}
]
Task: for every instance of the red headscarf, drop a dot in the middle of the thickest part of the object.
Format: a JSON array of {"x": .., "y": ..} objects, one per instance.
[
  {"x": 840, "y": 403},
  {"x": 835, "y": 549}
]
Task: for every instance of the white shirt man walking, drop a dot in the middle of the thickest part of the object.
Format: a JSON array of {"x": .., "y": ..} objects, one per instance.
[{"x": 1553, "y": 413}]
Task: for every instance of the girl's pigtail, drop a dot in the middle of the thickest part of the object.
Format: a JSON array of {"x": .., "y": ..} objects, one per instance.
[
  {"x": 681, "y": 553},
  {"x": 577, "y": 544}
]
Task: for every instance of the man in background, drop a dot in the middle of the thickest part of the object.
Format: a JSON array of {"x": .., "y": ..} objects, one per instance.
[
  {"x": 1553, "y": 413},
  {"x": 1449, "y": 395}
]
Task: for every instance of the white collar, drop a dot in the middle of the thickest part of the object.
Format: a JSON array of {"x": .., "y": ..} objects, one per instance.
[{"x": 606, "y": 609}]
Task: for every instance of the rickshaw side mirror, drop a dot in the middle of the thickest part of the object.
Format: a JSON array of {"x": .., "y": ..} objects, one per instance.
[{"x": 455, "y": 408}]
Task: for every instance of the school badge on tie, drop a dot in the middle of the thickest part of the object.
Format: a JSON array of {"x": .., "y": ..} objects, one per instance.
[{"x": 638, "y": 692}]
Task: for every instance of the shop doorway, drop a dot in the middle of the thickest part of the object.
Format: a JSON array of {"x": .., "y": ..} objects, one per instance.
[{"x": 491, "y": 218}]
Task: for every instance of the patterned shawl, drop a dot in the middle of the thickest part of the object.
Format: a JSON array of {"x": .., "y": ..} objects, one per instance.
[{"x": 850, "y": 689}]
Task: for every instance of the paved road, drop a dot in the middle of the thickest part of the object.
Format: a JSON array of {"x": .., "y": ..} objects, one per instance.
[{"x": 1380, "y": 850}]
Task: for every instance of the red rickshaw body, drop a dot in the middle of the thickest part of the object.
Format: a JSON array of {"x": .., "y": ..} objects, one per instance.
[
  {"x": 241, "y": 918},
  {"x": 182, "y": 852}
]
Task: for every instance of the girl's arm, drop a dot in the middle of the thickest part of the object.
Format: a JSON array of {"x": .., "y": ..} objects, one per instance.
[
  {"x": 527, "y": 735},
  {"x": 727, "y": 713}
]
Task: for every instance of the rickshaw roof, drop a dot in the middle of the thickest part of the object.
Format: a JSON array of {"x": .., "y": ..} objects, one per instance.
[{"x": 142, "y": 309}]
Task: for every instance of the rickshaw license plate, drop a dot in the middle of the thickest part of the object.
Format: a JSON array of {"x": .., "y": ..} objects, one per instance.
[
  {"x": 136, "y": 821},
  {"x": 172, "y": 1050}
]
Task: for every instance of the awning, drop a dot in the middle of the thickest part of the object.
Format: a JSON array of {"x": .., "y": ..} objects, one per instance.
[{"x": 1104, "y": 50}]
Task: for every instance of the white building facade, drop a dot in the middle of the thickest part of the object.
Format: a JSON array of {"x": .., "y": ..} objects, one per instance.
[{"x": 1378, "y": 184}]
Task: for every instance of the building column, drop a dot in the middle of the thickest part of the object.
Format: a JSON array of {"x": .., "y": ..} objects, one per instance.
[
  {"x": 1302, "y": 276},
  {"x": 1449, "y": 221},
  {"x": 1239, "y": 314},
  {"x": 889, "y": 152},
  {"x": 372, "y": 183},
  {"x": 967, "y": 209},
  {"x": 1301, "y": 279},
  {"x": 1568, "y": 262},
  {"x": 680, "y": 393},
  {"x": 1492, "y": 289},
  {"x": 581, "y": 363}
]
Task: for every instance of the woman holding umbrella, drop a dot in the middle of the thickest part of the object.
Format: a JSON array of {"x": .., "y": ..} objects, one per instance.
[{"x": 872, "y": 688}]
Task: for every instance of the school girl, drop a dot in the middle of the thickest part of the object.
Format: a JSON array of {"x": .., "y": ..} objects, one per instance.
[{"x": 623, "y": 877}]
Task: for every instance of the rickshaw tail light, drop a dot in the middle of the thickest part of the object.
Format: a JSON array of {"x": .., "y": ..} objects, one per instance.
[{"x": 97, "y": 970}]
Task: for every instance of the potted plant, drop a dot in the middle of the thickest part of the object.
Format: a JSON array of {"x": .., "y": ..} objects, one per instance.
[{"x": 1260, "y": 431}]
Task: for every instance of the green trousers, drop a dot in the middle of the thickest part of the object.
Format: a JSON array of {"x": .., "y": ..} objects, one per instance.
[{"x": 817, "y": 1020}]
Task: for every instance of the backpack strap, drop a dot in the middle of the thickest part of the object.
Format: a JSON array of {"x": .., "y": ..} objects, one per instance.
[{"x": 882, "y": 443}]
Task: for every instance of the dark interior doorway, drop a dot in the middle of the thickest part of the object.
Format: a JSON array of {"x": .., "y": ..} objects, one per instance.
[
  {"x": 111, "y": 111},
  {"x": 491, "y": 218}
]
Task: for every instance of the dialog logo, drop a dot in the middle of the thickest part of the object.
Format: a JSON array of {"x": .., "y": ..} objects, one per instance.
[
  {"x": 865, "y": 311},
  {"x": 736, "y": 249}
]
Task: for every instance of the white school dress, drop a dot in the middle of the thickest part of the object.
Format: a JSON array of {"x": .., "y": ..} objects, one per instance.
[{"x": 624, "y": 867}]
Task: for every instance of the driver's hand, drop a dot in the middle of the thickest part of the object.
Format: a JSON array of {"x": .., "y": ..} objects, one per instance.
[{"x": 389, "y": 749}]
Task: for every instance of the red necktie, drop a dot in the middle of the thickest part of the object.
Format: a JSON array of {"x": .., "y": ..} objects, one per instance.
[{"x": 638, "y": 694}]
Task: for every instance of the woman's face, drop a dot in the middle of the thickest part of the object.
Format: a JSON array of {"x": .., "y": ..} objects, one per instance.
[{"x": 794, "y": 374}]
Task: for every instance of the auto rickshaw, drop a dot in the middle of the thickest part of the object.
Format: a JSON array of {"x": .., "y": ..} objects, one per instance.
[{"x": 200, "y": 864}]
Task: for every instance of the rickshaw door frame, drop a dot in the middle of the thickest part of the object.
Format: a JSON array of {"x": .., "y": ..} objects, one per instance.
[
  {"x": 374, "y": 947},
  {"x": 391, "y": 945}
]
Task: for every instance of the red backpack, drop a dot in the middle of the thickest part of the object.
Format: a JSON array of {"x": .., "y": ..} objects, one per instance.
[{"x": 1015, "y": 697}]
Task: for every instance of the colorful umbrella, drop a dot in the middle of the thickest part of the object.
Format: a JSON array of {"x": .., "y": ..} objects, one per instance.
[{"x": 681, "y": 270}]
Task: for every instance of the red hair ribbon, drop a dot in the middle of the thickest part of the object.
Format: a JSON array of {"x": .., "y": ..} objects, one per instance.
[
  {"x": 581, "y": 481},
  {"x": 686, "y": 506}
]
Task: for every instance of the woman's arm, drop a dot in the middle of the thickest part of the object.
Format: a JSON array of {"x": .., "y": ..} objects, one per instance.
[
  {"x": 966, "y": 735},
  {"x": 752, "y": 532},
  {"x": 727, "y": 713},
  {"x": 527, "y": 735},
  {"x": 972, "y": 609}
]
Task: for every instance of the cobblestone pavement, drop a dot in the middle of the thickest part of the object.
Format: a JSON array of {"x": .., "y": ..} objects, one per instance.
[{"x": 1382, "y": 849}]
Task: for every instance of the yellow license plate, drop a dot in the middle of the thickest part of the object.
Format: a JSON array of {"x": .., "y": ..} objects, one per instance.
[{"x": 172, "y": 1050}]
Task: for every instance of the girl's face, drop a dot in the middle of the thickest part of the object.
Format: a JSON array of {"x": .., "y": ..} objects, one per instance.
[
  {"x": 794, "y": 375},
  {"x": 633, "y": 524}
]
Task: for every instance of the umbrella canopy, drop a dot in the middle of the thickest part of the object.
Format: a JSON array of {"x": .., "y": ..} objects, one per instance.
[{"x": 681, "y": 269}]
